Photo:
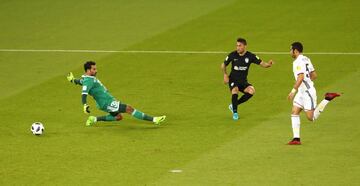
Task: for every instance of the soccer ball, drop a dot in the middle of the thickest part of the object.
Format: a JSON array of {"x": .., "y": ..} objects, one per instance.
[{"x": 37, "y": 128}]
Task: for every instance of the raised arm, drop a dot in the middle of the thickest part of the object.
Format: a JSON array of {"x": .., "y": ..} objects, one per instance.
[{"x": 70, "y": 77}]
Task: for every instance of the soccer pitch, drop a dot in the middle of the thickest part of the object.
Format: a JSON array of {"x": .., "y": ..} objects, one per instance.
[{"x": 199, "y": 139}]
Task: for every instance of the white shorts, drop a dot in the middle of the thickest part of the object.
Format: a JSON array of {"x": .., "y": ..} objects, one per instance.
[
  {"x": 113, "y": 107},
  {"x": 306, "y": 99}
]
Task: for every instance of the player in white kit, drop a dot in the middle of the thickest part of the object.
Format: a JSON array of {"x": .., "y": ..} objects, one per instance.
[{"x": 303, "y": 93}]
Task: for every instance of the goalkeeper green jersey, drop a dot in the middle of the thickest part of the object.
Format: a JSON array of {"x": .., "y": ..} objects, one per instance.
[{"x": 92, "y": 86}]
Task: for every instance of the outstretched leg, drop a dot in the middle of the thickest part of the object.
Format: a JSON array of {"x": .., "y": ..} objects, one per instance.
[
  {"x": 111, "y": 117},
  {"x": 320, "y": 108},
  {"x": 248, "y": 93},
  {"x": 115, "y": 115},
  {"x": 312, "y": 115},
  {"x": 140, "y": 115}
]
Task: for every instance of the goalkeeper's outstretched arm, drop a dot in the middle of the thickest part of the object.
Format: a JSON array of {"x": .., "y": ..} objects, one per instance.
[{"x": 70, "y": 77}]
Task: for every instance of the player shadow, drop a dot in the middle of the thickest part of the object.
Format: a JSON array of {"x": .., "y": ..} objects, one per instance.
[{"x": 129, "y": 126}]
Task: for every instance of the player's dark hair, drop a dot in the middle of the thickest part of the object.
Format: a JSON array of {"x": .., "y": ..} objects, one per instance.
[
  {"x": 88, "y": 64},
  {"x": 298, "y": 46},
  {"x": 242, "y": 40}
]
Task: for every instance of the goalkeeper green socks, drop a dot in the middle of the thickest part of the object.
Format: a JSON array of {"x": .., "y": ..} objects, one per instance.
[
  {"x": 140, "y": 115},
  {"x": 136, "y": 113},
  {"x": 106, "y": 118}
]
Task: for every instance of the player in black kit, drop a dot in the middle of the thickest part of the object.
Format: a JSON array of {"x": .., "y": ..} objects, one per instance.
[{"x": 240, "y": 60}]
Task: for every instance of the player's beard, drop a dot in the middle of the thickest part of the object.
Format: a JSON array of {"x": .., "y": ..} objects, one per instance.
[{"x": 241, "y": 52}]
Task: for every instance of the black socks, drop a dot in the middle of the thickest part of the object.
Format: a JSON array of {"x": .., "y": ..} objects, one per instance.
[
  {"x": 234, "y": 101},
  {"x": 244, "y": 98}
]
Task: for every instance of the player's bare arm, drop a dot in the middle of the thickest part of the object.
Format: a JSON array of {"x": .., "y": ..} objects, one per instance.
[
  {"x": 313, "y": 75},
  {"x": 297, "y": 84},
  {"x": 267, "y": 64},
  {"x": 226, "y": 76}
]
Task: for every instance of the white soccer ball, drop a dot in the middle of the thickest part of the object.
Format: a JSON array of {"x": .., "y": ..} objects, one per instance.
[{"x": 37, "y": 128}]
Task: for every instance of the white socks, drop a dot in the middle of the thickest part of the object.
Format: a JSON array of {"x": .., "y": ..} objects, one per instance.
[
  {"x": 295, "y": 122},
  {"x": 295, "y": 119},
  {"x": 320, "y": 108}
]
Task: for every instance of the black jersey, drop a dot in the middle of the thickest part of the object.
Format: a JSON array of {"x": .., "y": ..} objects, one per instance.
[{"x": 241, "y": 64}]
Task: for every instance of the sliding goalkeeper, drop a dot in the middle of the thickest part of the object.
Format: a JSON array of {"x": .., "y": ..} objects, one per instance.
[{"x": 104, "y": 100}]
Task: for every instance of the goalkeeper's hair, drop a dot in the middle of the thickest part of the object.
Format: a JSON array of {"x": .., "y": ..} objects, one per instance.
[
  {"x": 298, "y": 46},
  {"x": 242, "y": 40},
  {"x": 88, "y": 64}
]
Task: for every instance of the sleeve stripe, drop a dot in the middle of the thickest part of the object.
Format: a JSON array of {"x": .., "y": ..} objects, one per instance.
[{"x": 85, "y": 93}]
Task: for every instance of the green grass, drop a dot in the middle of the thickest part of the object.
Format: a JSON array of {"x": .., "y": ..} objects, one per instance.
[{"x": 199, "y": 136}]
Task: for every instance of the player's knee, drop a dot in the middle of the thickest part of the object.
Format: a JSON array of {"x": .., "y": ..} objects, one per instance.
[
  {"x": 310, "y": 117},
  {"x": 129, "y": 109},
  {"x": 118, "y": 117},
  {"x": 251, "y": 90},
  {"x": 295, "y": 112},
  {"x": 235, "y": 91}
]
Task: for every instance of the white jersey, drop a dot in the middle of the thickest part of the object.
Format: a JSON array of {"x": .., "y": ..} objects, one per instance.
[{"x": 303, "y": 65}]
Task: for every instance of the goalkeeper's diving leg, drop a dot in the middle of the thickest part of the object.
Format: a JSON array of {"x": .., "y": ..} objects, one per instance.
[{"x": 116, "y": 116}]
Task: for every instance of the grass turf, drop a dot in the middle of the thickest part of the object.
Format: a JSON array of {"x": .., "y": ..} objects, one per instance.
[{"x": 199, "y": 136}]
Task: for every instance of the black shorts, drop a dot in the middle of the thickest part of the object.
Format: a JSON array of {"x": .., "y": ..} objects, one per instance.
[{"x": 242, "y": 85}]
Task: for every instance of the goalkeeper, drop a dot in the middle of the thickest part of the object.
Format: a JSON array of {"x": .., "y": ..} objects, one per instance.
[{"x": 104, "y": 100}]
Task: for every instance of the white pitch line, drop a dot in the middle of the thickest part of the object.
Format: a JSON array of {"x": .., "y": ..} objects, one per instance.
[
  {"x": 165, "y": 52},
  {"x": 176, "y": 171}
]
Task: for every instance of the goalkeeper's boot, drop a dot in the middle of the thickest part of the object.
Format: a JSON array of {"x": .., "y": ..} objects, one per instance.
[
  {"x": 158, "y": 120},
  {"x": 295, "y": 141},
  {"x": 331, "y": 96},
  {"x": 91, "y": 120},
  {"x": 235, "y": 116}
]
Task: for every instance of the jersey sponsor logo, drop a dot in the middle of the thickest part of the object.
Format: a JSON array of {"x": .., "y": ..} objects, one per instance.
[
  {"x": 298, "y": 68},
  {"x": 240, "y": 68},
  {"x": 246, "y": 60},
  {"x": 235, "y": 59}
]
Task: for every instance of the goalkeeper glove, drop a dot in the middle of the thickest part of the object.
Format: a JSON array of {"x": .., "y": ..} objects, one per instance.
[
  {"x": 86, "y": 108},
  {"x": 70, "y": 77}
]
